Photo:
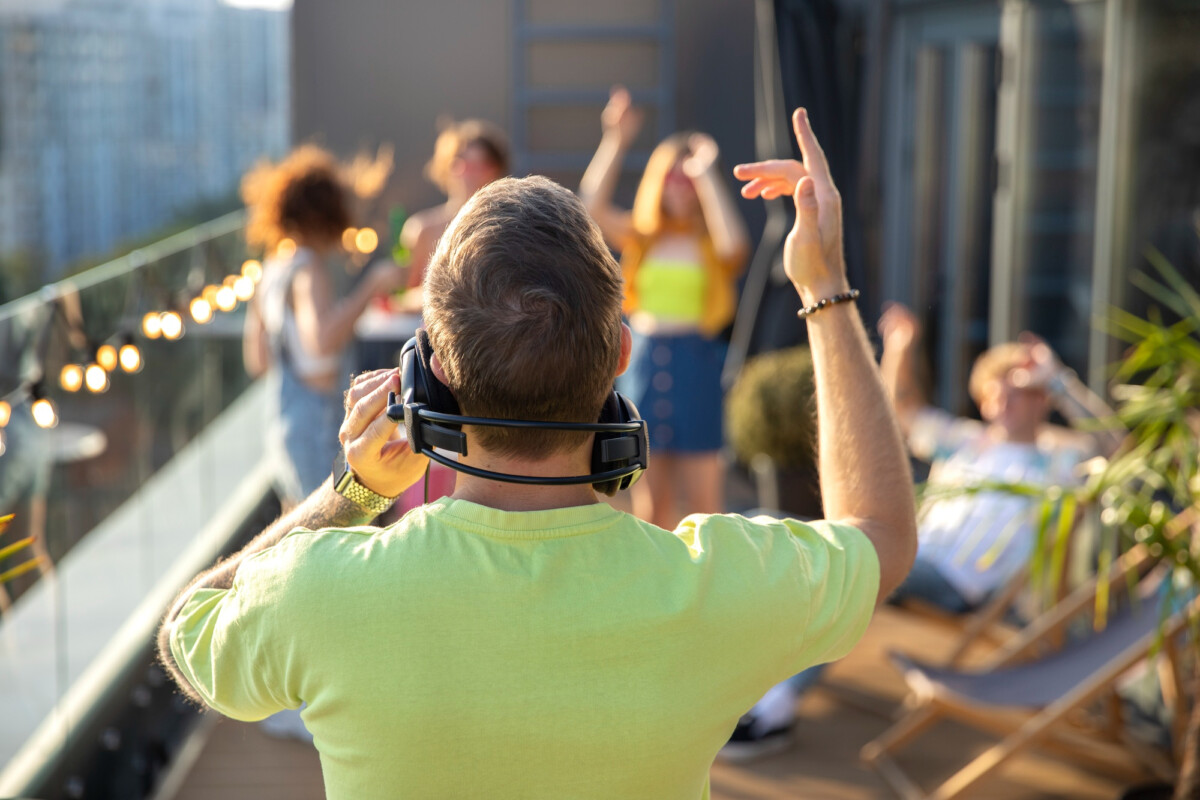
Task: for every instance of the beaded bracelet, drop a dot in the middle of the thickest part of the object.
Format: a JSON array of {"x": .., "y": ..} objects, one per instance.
[{"x": 845, "y": 297}]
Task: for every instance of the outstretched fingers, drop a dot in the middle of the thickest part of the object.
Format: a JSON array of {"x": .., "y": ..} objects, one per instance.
[{"x": 769, "y": 179}]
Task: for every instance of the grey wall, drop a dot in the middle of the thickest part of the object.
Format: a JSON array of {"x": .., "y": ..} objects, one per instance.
[{"x": 367, "y": 71}]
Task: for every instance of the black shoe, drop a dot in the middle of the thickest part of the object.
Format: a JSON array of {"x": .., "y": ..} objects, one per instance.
[{"x": 749, "y": 743}]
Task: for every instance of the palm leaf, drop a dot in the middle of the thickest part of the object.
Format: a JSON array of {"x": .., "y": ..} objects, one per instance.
[
  {"x": 19, "y": 570},
  {"x": 15, "y": 547}
]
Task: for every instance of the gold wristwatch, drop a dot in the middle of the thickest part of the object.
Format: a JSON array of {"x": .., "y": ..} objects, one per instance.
[{"x": 346, "y": 484}]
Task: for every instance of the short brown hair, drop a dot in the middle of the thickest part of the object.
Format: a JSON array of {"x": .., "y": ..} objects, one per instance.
[
  {"x": 994, "y": 364},
  {"x": 523, "y": 308},
  {"x": 456, "y": 136},
  {"x": 301, "y": 195}
]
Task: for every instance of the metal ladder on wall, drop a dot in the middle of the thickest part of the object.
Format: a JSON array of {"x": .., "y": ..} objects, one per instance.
[{"x": 538, "y": 30}]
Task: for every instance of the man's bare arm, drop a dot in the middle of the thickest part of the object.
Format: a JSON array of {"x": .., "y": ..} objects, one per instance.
[
  {"x": 379, "y": 462},
  {"x": 324, "y": 508},
  {"x": 865, "y": 478}
]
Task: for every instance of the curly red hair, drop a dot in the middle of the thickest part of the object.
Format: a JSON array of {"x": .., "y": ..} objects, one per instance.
[{"x": 301, "y": 196}]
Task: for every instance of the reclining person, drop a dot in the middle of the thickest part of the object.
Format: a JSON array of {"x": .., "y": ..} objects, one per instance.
[
  {"x": 971, "y": 544},
  {"x": 526, "y": 641}
]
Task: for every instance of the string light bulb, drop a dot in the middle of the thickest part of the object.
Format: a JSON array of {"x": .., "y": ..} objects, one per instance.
[
  {"x": 226, "y": 298},
  {"x": 5, "y": 413},
  {"x": 201, "y": 311},
  {"x": 96, "y": 378},
  {"x": 70, "y": 377},
  {"x": 130, "y": 357},
  {"x": 209, "y": 295},
  {"x": 366, "y": 240},
  {"x": 252, "y": 269},
  {"x": 348, "y": 238},
  {"x": 243, "y": 289},
  {"x": 152, "y": 325},
  {"x": 171, "y": 324},
  {"x": 106, "y": 356},
  {"x": 286, "y": 248},
  {"x": 44, "y": 413}
]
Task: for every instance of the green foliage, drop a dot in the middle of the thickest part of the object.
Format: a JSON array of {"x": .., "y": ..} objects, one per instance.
[
  {"x": 12, "y": 573},
  {"x": 1148, "y": 493},
  {"x": 771, "y": 410},
  {"x": 1150, "y": 490}
]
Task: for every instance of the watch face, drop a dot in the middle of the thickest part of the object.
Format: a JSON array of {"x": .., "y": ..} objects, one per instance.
[{"x": 339, "y": 465}]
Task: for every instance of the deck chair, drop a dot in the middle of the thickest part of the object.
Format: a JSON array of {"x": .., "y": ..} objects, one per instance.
[
  {"x": 985, "y": 625},
  {"x": 990, "y": 624},
  {"x": 1028, "y": 703}
]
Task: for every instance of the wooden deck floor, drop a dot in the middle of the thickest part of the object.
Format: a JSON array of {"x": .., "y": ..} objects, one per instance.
[{"x": 238, "y": 762}]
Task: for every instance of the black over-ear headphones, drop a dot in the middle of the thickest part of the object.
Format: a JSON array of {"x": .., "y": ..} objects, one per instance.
[{"x": 432, "y": 419}]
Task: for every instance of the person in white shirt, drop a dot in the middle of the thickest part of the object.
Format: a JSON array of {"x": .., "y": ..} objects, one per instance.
[{"x": 972, "y": 543}]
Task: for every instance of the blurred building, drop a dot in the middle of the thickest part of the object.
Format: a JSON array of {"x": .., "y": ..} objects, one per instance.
[{"x": 116, "y": 117}]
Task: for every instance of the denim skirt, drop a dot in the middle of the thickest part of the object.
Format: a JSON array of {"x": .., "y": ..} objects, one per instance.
[{"x": 675, "y": 381}]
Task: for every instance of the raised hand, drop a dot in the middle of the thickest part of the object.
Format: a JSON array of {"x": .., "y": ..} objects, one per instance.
[
  {"x": 898, "y": 326},
  {"x": 380, "y": 459},
  {"x": 770, "y": 179},
  {"x": 1043, "y": 366},
  {"x": 703, "y": 155},
  {"x": 813, "y": 255},
  {"x": 620, "y": 118}
]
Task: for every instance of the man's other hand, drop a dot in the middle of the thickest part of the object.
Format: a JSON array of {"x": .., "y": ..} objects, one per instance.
[{"x": 375, "y": 449}]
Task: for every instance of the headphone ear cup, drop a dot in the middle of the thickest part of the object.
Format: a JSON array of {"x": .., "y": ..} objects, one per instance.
[
  {"x": 619, "y": 409},
  {"x": 429, "y": 390}
]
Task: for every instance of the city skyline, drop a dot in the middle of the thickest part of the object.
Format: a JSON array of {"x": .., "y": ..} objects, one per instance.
[{"x": 117, "y": 117}]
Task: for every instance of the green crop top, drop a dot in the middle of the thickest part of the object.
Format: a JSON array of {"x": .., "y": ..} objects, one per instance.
[{"x": 671, "y": 289}]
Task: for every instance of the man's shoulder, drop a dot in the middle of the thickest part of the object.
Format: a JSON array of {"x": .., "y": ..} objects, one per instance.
[
  {"x": 758, "y": 528},
  {"x": 303, "y": 548}
]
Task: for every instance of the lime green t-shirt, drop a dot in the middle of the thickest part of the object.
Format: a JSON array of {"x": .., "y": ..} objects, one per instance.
[{"x": 573, "y": 653}]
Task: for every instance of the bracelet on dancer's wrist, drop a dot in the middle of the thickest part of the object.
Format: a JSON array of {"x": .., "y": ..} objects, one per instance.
[{"x": 825, "y": 302}]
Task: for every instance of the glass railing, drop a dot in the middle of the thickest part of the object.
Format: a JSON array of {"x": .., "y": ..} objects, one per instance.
[{"x": 129, "y": 424}]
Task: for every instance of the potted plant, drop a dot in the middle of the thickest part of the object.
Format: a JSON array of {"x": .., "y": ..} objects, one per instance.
[
  {"x": 770, "y": 419},
  {"x": 1149, "y": 491}
]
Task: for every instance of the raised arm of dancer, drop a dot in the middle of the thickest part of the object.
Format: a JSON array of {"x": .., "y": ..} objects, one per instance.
[
  {"x": 420, "y": 235},
  {"x": 721, "y": 216},
  {"x": 326, "y": 325},
  {"x": 255, "y": 354},
  {"x": 865, "y": 478},
  {"x": 900, "y": 331},
  {"x": 621, "y": 123}
]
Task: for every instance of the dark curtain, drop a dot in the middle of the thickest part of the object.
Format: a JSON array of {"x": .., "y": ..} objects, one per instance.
[{"x": 818, "y": 53}]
